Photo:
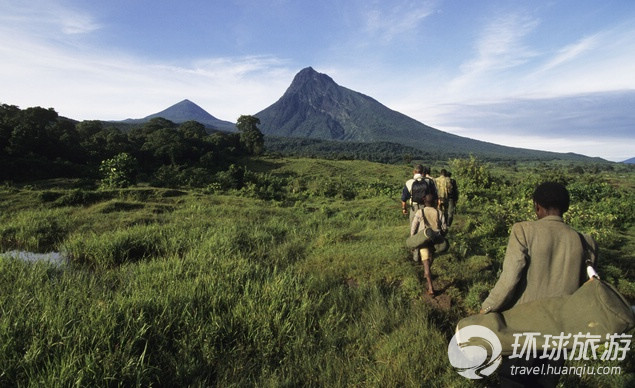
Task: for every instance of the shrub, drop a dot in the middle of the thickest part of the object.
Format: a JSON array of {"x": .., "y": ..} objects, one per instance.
[
  {"x": 119, "y": 171},
  {"x": 230, "y": 179},
  {"x": 474, "y": 176}
]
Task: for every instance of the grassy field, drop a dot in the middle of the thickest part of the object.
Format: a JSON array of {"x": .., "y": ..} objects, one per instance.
[{"x": 299, "y": 277}]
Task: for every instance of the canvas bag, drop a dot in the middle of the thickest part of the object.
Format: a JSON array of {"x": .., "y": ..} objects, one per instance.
[
  {"x": 424, "y": 237},
  {"x": 596, "y": 308},
  {"x": 427, "y": 236}
]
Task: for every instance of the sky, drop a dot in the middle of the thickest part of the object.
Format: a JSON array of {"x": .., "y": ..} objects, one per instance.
[{"x": 543, "y": 74}]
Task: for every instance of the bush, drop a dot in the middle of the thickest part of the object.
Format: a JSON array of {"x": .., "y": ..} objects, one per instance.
[
  {"x": 474, "y": 176},
  {"x": 230, "y": 179},
  {"x": 118, "y": 172}
]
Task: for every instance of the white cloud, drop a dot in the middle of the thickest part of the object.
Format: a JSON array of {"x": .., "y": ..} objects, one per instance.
[
  {"x": 43, "y": 66},
  {"x": 76, "y": 23},
  {"x": 599, "y": 62},
  {"x": 570, "y": 52},
  {"x": 112, "y": 86},
  {"x": 598, "y": 124},
  {"x": 387, "y": 20},
  {"x": 608, "y": 149},
  {"x": 46, "y": 19},
  {"x": 500, "y": 47}
]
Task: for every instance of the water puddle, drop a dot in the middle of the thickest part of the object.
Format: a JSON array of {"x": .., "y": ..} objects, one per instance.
[{"x": 32, "y": 257}]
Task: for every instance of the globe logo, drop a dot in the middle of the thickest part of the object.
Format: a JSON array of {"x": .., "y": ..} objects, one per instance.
[{"x": 475, "y": 352}]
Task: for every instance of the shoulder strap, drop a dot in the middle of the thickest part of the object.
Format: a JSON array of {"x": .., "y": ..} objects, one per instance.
[
  {"x": 425, "y": 219},
  {"x": 588, "y": 251}
]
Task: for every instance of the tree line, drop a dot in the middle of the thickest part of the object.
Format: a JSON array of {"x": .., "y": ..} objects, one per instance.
[
  {"x": 381, "y": 152},
  {"x": 37, "y": 143}
]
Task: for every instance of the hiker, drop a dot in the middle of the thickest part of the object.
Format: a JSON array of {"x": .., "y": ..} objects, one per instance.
[
  {"x": 431, "y": 217},
  {"x": 444, "y": 188},
  {"x": 415, "y": 190},
  {"x": 544, "y": 258},
  {"x": 430, "y": 180},
  {"x": 453, "y": 198}
]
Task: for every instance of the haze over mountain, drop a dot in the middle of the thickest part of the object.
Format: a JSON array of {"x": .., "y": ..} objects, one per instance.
[
  {"x": 316, "y": 107},
  {"x": 184, "y": 111}
]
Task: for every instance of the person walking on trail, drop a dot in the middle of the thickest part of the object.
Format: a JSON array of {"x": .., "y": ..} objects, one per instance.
[
  {"x": 544, "y": 258},
  {"x": 453, "y": 198},
  {"x": 433, "y": 218},
  {"x": 433, "y": 186},
  {"x": 415, "y": 190},
  {"x": 444, "y": 188}
]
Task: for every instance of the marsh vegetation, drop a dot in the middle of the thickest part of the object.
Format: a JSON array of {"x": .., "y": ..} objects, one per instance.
[{"x": 281, "y": 271}]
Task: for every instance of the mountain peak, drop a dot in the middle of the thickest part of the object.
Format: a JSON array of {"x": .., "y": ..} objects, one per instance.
[
  {"x": 189, "y": 105},
  {"x": 308, "y": 69},
  {"x": 309, "y": 78},
  {"x": 307, "y": 73},
  {"x": 315, "y": 106},
  {"x": 186, "y": 110}
]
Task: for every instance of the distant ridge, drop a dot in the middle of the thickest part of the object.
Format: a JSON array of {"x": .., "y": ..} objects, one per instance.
[
  {"x": 184, "y": 111},
  {"x": 315, "y": 107},
  {"x": 629, "y": 161}
]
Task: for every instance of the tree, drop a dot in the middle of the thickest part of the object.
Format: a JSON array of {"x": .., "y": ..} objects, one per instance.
[
  {"x": 192, "y": 130},
  {"x": 8, "y": 115},
  {"x": 193, "y": 134},
  {"x": 166, "y": 145},
  {"x": 31, "y": 130},
  {"x": 118, "y": 172},
  {"x": 158, "y": 123},
  {"x": 100, "y": 142},
  {"x": 250, "y": 136},
  {"x": 64, "y": 142}
]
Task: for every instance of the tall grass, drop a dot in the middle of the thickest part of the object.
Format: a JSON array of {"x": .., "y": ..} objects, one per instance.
[
  {"x": 183, "y": 288},
  {"x": 38, "y": 230}
]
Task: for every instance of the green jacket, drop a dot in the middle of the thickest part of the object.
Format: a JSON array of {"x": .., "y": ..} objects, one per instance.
[{"x": 544, "y": 259}]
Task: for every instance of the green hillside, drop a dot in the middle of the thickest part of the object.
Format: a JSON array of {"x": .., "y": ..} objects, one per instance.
[
  {"x": 390, "y": 152},
  {"x": 285, "y": 271}
]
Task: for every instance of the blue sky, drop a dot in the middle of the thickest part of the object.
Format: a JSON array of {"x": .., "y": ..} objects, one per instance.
[{"x": 549, "y": 75}]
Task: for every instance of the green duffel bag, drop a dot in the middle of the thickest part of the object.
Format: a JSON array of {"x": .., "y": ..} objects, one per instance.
[
  {"x": 428, "y": 236},
  {"x": 596, "y": 308}
]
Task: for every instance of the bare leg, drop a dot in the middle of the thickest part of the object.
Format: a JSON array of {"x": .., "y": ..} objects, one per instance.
[{"x": 428, "y": 275}]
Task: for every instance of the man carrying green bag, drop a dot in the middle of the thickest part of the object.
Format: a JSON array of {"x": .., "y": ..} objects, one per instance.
[
  {"x": 595, "y": 310},
  {"x": 428, "y": 223},
  {"x": 544, "y": 259}
]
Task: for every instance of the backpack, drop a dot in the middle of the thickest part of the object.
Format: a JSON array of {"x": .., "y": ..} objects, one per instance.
[{"x": 419, "y": 191}]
